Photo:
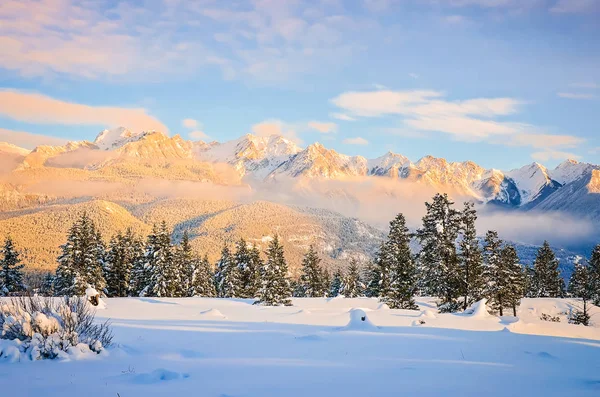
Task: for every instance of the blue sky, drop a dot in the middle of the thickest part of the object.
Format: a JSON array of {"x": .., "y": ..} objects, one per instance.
[{"x": 500, "y": 82}]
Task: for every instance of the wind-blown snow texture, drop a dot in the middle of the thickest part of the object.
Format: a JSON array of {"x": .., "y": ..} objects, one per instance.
[{"x": 322, "y": 347}]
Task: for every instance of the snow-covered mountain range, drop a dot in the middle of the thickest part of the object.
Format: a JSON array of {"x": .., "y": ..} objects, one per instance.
[{"x": 571, "y": 187}]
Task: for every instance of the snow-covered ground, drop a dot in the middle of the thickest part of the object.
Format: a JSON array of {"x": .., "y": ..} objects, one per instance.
[{"x": 322, "y": 347}]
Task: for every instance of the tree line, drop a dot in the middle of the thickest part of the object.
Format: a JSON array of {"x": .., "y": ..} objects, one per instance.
[{"x": 450, "y": 263}]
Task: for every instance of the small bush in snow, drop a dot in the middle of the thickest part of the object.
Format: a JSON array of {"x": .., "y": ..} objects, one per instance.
[
  {"x": 547, "y": 317},
  {"x": 580, "y": 317},
  {"x": 48, "y": 328}
]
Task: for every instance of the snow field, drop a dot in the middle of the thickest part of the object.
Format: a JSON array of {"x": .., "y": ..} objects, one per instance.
[{"x": 322, "y": 347}]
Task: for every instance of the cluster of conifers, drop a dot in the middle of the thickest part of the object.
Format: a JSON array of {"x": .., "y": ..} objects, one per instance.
[{"x": 451, "y": 263}]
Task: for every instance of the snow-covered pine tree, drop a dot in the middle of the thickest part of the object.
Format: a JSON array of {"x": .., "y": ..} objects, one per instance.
[
  {"x": 67, "y": 271},
  {"x": 243, "y": 261},
  {"x": 581, "y": 286},
  {"x": 124, "y": 252},
  {"x": 275, "y": 287},
  {"x": 336, "y": 284},
  {"x": 143, "y": 267},
  {"x": 325, "y": 282},
  {"x": 256, "y": 264},
  {"x": 186, "y": 263},
  {"x": 510, "y": 285},
  {"x": 398, "y": 262},
  {"x": 202, "y": 280},
  {"x": 371, "y": 276},
  {"x": 471, "y": 260},
  {"x": 227, "y": 276},
  {"x": 547, "y": 281},
  {"x": 47, "y": 287},
  {"x": 311, "y": 283},
  {"x": 438, "y": 259},
  {"x": 11, "y": 270},
  {"x": 81, "y": 262},
  {"x": 594, "y": 270},
  {"x": 352, "y": 287},
  {"x": 165, "y": 276},
  {"x": 515, "y": 277},
  {"x": 380, "y": 277},
  {"x": 493, "y": 269}
]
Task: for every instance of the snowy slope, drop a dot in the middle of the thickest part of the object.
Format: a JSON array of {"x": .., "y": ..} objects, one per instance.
[
  {"x": 321, "y": 347},
  {"x": 534, "y": 182}
]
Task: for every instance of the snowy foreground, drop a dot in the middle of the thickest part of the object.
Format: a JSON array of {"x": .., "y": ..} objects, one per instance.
[{"x": 321, "y": 347}]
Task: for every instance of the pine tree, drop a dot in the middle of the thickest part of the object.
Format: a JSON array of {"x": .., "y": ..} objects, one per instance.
[
  {"x": 186, "y": 263},
  {"x": 471, "y": 260},
  {"x": 352, "y": 287},
  {"x": 336, "y": 284},
  {"x": 124, "y": 252},
  {"x": 80, "y": 265},
  {"x": 275, "y": 287},
  {"x": 398, "y": 261},
  {"x": 371, "y": 276},
  {"x": 515, "y": 277},
  {"x": 11, "y": 270},
  {"x": 595, "y": 275},
  {"x": 227, "y": 276},
  {"x": 47, "y": 288},
  {"x": 202, "y": 280},
  {"x": 380, "y": 277},
  {"x": 547, "y": 282},
  {"x": 246, "y": 271},
  {"x": 164, "y": 276},
  {"x": 581, "y": 285},
  {"x": 438, "y": 259},
  {"x": 141, "y": 275},
  {"x": 311, "y": 283},
  {"x": 493, "y": 271}
]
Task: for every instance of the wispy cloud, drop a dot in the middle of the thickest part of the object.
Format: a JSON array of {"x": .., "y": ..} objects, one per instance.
[
  {"x": 28, "y": 140},
  {"x": 198, "y": 135},
  {"x": 41, "y": 109},
  {"x": 356, "y": 141},
  {"x": 576, "y": 95},
  {"x": 342, "y": 116},
  {"x": 323, "y": 127},
  {"x": 548, "y": 155},
  {"x": 575, "y": 6},
  {"x": 588, "y": 85},
  {"x": 190, "y": 123},
  {"x": 471, "y": 120},
  {"x": 276, "y": 127}
]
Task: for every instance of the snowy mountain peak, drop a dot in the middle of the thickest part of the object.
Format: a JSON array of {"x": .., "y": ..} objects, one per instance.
[
  {"x": 571, "y": 170},
  {"x": 9, "y": 148},
  {"x": 116, "y": 137}
]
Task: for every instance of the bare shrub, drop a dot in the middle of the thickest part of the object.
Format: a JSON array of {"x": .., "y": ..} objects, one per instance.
[{"x": 51, "y": 327}]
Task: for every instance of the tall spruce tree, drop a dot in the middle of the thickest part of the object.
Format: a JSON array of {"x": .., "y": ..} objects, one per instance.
[
  {"x": 335, "y": 286},
  {"x": 493, "y": 269},
  {"x": 47, "y": 288},
  {"x": 81, "y": 262},
  {"x": 141, "y": 275},
  {"x": 311, "y": 282},
  {"x": 581, "y": 285},
  {"x": 594, "y": 271},
  {"x": 380, "y": 277},
  {"x": 11, "y": 270},
  {"x": 371, "y": 276},
  {"x": 202, "y": 280},
  {"x": 515, "y": 277},
  {"x": 164, "y": 274},
  {"x": 275, "y": 287},
  {"x": 186, "y": 263},
  {"x": 547, "y": 282},
  {"x": 227, "y": 276},
  {"x": 352, "y": 287},
  {"x": 124, "y": 252},
  {"x": 470, "y": 258},
  {"x": 246, "y": 271},
  {"x": 438, "y": 259},
  {"x": 398, "y": 261}
]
